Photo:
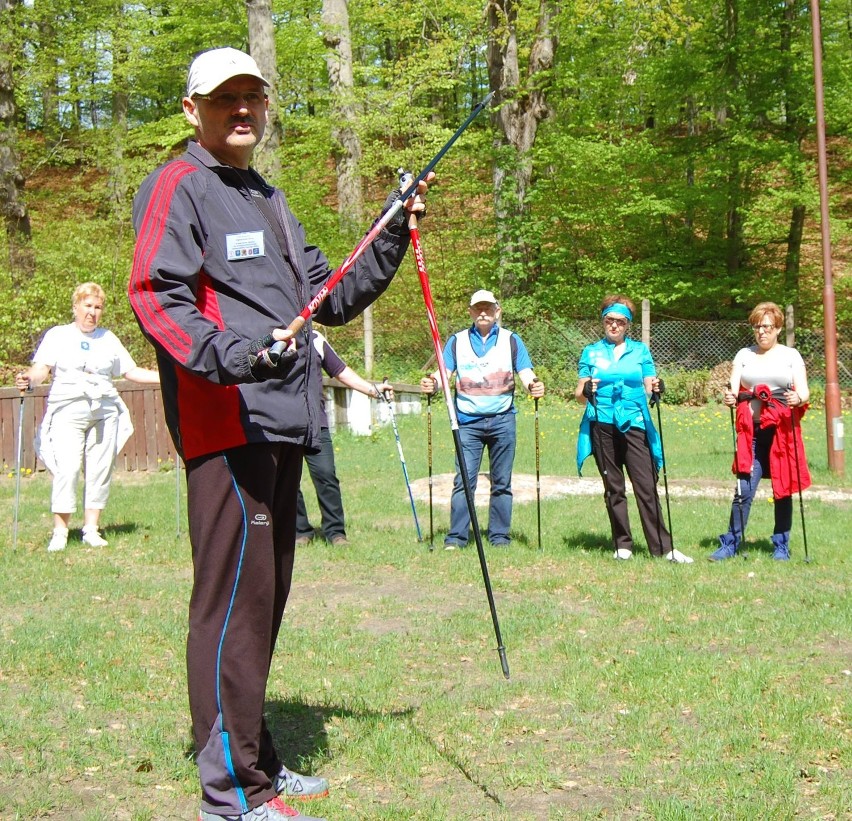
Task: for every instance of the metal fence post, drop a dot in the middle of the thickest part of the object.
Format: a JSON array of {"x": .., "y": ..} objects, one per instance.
[{"x": 646, "y": 322}]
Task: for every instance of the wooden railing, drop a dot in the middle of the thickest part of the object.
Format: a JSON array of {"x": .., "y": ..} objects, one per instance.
[{"x": 150, "y": 447}]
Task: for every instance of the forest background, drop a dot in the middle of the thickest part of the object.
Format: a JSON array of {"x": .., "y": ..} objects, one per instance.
[{"x": 664, "y": 149}]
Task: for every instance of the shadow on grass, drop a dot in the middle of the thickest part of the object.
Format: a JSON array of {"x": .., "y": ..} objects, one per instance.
[
  {"x": 298, "y": 729},
  {"x": 588, "y": 541},
  {"x": 756, "y": 547}
]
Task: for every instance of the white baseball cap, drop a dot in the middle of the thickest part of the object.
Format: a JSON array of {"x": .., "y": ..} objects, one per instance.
[
  {"x": 483, "y": 296},
  {"x": 212, "y": 68}
]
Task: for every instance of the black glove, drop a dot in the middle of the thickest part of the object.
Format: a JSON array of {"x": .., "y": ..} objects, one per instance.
[
  {"x": 269, "y": 359},
  {"x": 589, "y": 392},
  {"x": 662, "y": 387},
  {"x": 397, "y": 223}
]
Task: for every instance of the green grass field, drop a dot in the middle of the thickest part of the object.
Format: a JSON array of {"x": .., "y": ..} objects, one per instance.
[{"x": 638, "y": 690}]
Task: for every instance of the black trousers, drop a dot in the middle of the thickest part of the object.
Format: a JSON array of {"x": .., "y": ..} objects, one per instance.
[
  {"x": 242, "y": 526},
  {"x": 614, "y": 451},
  {"x": 324, "y": 477}
]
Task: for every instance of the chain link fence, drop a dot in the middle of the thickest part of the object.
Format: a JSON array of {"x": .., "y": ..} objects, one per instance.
[{"x": 693, "y": 356}]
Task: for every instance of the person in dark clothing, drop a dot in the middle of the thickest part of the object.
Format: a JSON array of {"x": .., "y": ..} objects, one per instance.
[
  {"x": 221, "y": 267},
  {"x": 321, "y": 465}
]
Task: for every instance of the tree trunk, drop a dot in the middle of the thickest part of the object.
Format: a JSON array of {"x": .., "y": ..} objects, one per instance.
[
  {"x": 794, "y": 250},
  {"x": 12, "y": 205},
  {"x": 262, "y": 47},
  {"x": 337, "y": 38},
  {"x": 519, "y": 108}
]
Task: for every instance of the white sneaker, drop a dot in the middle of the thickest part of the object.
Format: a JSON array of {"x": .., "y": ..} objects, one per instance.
[
  {"x": 92, "y": 537},
  {"x": 677, "y": 557},
  {"x": 622, "y": 553},
  {"x": 59, "y": 540}
]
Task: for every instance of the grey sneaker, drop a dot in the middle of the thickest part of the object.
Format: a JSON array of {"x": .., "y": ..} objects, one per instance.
[
  {"x": 273, "y": 810},
  {"x": 302, "y": 787}
]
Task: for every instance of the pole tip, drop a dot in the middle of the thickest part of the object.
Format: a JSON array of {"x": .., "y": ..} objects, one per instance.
[{"x": 504, "y": 662}]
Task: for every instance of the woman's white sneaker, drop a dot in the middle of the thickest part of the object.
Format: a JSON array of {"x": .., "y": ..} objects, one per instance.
[
  {"x": 622, "y": 553},
  {"x": 59, "y": 540},
  {"x": 92, "y": 537},
  {"x": 677, "y": 557}
]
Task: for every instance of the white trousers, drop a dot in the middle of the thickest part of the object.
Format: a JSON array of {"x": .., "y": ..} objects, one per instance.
[{"x": 82, "y": 436}]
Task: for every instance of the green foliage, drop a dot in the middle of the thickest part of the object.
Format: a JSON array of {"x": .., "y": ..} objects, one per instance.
[
  {"x": 686, "y": 387},
  {"x": 678, "y": 143}
]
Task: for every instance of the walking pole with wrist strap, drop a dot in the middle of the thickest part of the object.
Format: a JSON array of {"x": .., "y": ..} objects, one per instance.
[
  {"x": 738, "y": 498},
  {"x": 537, "y": 471},
  {"x": 18, "y": 459},
  {"x": 283, "y": 349},
  {"x": 656, "y": 399},
  {"x": 798, "y": 426},
  {"x": 454, "y": 425},
  {"x": 389, "y": 401}
]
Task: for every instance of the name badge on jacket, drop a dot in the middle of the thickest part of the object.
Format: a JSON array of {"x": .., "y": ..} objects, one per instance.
[{"x": 245, "y": 245}]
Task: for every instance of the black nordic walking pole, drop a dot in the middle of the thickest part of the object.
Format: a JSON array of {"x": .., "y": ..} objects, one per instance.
[
  {"x": 18, "y": 459},
  {"x": 799, "y": 477},
  {"x": 401, "y": 459},
  {"x": 656, "y": 400},
  {"x": 537, "y": 472},
  {"x": 739, "y": 497},
  {"x": 454, "y": 425},
  {"x": 597, "y": 452},
  {"x": 429, "y": 460},
  {"x": 282, "y": 349}
]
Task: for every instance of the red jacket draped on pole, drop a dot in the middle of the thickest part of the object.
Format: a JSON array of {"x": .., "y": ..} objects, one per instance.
[{"x": 786, "y": 480}]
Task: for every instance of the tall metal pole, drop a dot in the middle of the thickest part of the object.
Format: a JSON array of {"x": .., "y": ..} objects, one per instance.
[{"x": 833, "y": 419}]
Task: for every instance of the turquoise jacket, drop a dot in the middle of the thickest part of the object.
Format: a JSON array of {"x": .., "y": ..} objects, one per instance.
[{"x": 621, "y": 398}]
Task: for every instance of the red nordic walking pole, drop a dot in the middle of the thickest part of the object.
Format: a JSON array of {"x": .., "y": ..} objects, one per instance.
[
  {"x": 454, "y": 424},
  {"x": 429, "y": 460},
  {"x": 282, "y": 348}
]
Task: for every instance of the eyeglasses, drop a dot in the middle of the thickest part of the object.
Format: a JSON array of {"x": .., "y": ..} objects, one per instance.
[
  {"x": 228, "y": 99},
  {"x": 612, "y": 320},
  {"x": 765, "y": 328}
]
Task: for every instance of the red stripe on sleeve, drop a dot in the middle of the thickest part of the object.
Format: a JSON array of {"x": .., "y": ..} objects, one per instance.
[{"x": 141, "y": 289}]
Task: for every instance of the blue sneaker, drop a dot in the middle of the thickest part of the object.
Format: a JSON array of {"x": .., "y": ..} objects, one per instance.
[
  {"x": 302, "y": 787},
  {"x": 727, "y": 550},
  {"x": 781, "y": 543}
]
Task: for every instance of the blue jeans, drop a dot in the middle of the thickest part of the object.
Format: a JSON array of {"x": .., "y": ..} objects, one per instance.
[
  {"x": 497, "y": 433},
  {"x": 746, "y": 489}
]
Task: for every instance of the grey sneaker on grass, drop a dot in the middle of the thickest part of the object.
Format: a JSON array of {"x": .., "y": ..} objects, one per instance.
[
  {"x": 273, "y": 810},
  {"x": 303, "y": 787}
]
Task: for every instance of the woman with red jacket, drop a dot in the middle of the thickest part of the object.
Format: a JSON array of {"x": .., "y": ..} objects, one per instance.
[{"x": 771, "y": 397}]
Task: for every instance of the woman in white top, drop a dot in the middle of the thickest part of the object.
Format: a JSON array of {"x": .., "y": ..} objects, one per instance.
[
  {"x": 769, "y": 388},
  {"x": 86, "y": 424}
]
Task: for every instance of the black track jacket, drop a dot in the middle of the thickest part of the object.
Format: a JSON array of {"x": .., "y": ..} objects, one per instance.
[{"x": 201, "y": 298}]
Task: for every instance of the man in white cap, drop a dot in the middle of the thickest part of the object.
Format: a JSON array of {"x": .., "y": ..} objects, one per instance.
[
  {"x": 220, "y": 269},
  {"x": 485, "y": 359}
]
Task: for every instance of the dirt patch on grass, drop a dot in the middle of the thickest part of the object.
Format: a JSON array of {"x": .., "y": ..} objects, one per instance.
[{"x": 559, "y": 487}]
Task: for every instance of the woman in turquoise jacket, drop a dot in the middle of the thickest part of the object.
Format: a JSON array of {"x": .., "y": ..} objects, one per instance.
[{"x": 616, "y": 377}]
